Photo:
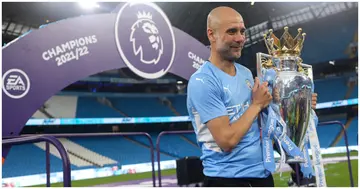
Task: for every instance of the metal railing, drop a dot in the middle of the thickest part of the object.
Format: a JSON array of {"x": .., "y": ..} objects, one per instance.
[
  {"x": 158, "y": 148},
  {"x": 66, "y": 163},
  {"x": 54, "y": 136},
  {"x": 297, "y": 168},
  {"x": 49, "y": 139},
  {"x": 346, "y": 144}
]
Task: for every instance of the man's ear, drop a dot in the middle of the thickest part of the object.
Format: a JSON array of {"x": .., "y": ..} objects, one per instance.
[{"x": 211, "y": 35}]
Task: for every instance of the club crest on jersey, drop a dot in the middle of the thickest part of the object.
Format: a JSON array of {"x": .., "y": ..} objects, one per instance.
[{"x": 248, "y": 83}]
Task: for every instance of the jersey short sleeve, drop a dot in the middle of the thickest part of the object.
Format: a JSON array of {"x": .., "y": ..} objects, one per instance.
[{"x": 205, "y": 98}]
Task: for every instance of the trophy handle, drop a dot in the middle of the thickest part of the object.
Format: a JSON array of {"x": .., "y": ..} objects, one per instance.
[
  {"x": 308, "y": 70},
  {"x": 261, "y": 60}
]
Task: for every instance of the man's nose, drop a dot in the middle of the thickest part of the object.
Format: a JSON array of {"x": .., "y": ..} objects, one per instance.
[{"x": 240, "y": 38}]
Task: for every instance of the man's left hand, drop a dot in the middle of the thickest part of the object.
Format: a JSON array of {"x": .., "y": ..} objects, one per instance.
[{"x": 313, "y": 101}]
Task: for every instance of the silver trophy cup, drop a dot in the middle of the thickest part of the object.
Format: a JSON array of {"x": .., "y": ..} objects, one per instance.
[{"x": 292, "y": 85}]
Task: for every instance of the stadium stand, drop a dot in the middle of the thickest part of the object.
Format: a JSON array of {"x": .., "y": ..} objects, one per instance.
[
  {"x": 28, "y": 159},
  {"x": 97, "y": 152},
  {"x": 89, "y": 107},
  {"x": 323, "y": 88},
  {"x": 141, "y": 107},
  {"x": 354, "y": 92},
  {"x": 80, "y": 156},
  {"x": 191, "y": 137},
  {"x": 101, "y": 151},
  {"x": 177, "y": 145},
  {"x": 328, "y": 133},
  {"x": 179, "y": 103},
  {"x": 352, "y": 133},
  {"x": 127, "y": 152}
]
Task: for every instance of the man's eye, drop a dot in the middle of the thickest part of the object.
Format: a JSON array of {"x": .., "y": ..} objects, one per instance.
[{"x": 232, "y": 31}]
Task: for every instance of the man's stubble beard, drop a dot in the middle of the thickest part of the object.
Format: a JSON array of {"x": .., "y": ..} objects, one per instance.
[
  {"x": 225, "y": 51},
  {"x": 227, "y": 55}
]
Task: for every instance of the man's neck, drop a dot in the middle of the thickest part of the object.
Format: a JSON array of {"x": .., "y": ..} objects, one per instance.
[{"x": 225, "y": 65}]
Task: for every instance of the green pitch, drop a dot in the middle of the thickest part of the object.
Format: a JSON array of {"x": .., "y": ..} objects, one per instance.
[{"x": 337, "y": 175}]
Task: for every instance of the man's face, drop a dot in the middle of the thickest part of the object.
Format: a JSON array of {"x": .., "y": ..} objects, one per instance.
[{"x": 230, "y": 38}]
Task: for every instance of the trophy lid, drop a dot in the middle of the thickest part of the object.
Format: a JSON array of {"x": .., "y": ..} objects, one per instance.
[{"x": 286, "y": 45}]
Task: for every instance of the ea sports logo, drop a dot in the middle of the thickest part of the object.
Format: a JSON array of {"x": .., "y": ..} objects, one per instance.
[
  {"x": 16, "y": 83},
  {"x": 145, "y": 39}
]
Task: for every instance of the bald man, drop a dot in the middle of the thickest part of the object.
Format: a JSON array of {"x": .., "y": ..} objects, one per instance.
[{"x": 223, "y": 102}]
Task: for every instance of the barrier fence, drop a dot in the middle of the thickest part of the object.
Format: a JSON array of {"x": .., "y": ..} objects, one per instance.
[
  {"x": 67, "y": 177},
  {"x": 66, "y": 163},
  {"x": 158, "y": 147},
  {"x": 346, "y": 144},
  {"x": 298, "y": 180},
  {"x": 49, "y": 139}
]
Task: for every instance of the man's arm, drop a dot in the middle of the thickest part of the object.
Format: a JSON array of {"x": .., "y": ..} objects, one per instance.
[
  {"x": 227, "y": 135},
  {"x": 205, "y": 96}
]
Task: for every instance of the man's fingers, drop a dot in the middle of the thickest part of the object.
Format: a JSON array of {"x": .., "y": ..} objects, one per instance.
[
  {"x": 314, "y": 99},
  {"x": 265, "y": 84},
  {"x": 256, "y": 84},
  {"x": 268, "y": 94}
]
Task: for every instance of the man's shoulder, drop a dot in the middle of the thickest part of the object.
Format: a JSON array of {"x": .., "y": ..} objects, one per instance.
[
  {"x": 203, "y": 73},
  {"x": 243, "y": 68},
  {"x": 202, "y": 81}
]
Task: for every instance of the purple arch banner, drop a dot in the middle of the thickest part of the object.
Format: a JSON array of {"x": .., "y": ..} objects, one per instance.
[{"x": 139, "y": 36}]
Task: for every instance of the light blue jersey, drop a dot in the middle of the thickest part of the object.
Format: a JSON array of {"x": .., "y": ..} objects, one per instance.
[{"x": 213, "y": 93}]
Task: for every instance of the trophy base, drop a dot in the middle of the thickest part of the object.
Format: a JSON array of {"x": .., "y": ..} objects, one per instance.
[{"x": 293, "y": 160}]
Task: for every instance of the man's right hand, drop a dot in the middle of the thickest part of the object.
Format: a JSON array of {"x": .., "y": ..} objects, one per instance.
[{"x": 260, "y": 94}]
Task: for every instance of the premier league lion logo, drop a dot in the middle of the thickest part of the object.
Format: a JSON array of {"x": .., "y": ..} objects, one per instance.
[
  {"x": 145, "y": 39},
  {"x": 146, "y": 26}
]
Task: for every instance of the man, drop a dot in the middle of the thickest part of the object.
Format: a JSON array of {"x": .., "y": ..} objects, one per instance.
[{"x": 223, "y": 103}]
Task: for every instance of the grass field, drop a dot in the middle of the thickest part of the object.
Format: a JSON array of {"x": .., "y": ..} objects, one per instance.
[{"x": 337, "y": 175}]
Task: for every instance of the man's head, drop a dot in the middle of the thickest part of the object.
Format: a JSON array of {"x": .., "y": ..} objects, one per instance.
[{"x": 226, "y": 32}]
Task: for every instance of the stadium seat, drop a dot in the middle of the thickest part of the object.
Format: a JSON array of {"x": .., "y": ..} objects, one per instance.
[
  {"x": 176, "y": 146},
  {"x": 141, "y": 107},
  {"x": 89, "y": 107},
  {"x": 120, "y": 149},
  {"x": 28, "y": 159},
  {"x": 352, "y": 134},
  {"x": 327, "y": 133},
  {"x": 326, "y": 91},
  {"x": 179, "y": 102}
]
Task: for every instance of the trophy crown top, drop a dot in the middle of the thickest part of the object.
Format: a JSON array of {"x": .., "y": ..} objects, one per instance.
[{"x": 286, "y": 44}]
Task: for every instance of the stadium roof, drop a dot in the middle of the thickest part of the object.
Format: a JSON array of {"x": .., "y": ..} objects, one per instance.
[{"x": 187, "y": 16}]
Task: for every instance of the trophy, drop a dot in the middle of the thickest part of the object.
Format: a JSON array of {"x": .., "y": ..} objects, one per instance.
[{"x": 291, "y": 86}]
